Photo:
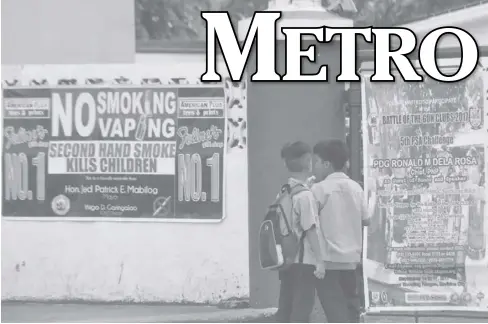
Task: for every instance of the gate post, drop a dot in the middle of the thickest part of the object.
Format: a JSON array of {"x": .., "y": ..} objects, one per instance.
[
  {"x": 280, "y": 112},
  {"x": 354, "y": 101}
]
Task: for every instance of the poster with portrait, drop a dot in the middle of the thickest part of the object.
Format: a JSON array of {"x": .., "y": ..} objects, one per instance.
[
  {"x": 424, "y": 147},
  {"x": 128, "y": 151}
]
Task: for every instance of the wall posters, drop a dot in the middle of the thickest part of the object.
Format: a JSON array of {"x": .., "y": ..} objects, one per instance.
[
  {"x": 142, "y": 152},
  {"x": 425, "y": 165}
]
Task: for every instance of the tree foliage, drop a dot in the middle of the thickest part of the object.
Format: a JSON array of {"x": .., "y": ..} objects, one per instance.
[
  {"x": 181, "y": 20},
  {"x": 387, "y": 13}
]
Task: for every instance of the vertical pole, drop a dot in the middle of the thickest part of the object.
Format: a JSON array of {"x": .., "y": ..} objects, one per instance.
[
  {"x": 355, "y": 130},
  {"x": 354, "y": 99}
]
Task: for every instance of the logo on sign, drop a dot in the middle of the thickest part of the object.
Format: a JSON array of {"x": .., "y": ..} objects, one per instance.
[
  {"x": 375, "y": 296},
  {"x": 32, "y": 137},
  {"x": 384, "y": 297},
  {"x": 197, "y": 136},
  {"x": 161, "y": 207},
  {"x": 466, "y": 297},
  {"x": 475, "y": 118},
  {"x": 60, "y": 205},
  {"x": 454, "y": 298},
  {"x": 373, "y": 120}
]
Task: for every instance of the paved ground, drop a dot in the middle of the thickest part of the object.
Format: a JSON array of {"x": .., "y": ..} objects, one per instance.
[
  {"x": 423, "y": 319},
  {"x": 84, "y": 313}
]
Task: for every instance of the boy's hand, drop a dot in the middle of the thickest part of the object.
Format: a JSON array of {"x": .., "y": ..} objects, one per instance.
[
  {"x": 310, "y": 181},
  {"x": 320, "y": 270}
]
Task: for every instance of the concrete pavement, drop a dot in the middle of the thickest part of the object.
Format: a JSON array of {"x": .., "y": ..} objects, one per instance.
[
  {"x": 17, "y": 312},
  {"x": 24, "y": 312}
]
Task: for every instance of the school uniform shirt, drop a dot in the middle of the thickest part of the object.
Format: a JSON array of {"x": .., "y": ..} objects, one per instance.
[
  {"x": 342, "y": 209},
  {"x": 305, "y": 217}
]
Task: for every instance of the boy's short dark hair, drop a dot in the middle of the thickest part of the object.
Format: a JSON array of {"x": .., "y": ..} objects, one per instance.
[
  {"x": 292, "y": 153},
  {"x": 334, "y": 151}
]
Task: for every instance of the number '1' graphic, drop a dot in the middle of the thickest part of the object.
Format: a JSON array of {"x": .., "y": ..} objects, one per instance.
[
  {"x": 190, "y": 177},
  {"x": 17, "y": 176}
]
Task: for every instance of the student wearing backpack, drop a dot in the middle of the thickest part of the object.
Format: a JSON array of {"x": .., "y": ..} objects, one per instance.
[
  {"x": 298, "y": 276},
  {"x": 342, "y": 214}
]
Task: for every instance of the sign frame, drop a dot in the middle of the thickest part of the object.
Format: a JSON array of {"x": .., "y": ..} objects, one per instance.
[
  {"x": 416, "y": 311},
  {"x": 117, "y": 82}
]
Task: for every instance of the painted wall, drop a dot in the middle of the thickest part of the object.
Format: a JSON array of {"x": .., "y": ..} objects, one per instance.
[
  {"x": 282, "y": 112},
  {"x": 133, "y": 260},
  {"x": 127, "y": 260},
  {"x": 67, "y": 31}
]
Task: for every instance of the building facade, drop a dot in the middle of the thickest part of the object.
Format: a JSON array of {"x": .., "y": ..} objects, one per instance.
[{"x": 155, "y": 261}]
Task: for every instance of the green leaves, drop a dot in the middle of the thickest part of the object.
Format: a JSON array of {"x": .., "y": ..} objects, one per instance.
[
  {"x": 387, "y": 13},
  {"x": 181, "y": 20}
]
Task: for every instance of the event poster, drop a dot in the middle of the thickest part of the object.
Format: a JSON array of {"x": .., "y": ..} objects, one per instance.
[
  {"x": 141, "y": 152},
  {"x": 424, "y": 155}
]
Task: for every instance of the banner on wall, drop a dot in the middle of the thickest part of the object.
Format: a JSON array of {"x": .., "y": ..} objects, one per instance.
[
  {"x": 120, "y": 151},
  {"x": 425, "y": 176}
]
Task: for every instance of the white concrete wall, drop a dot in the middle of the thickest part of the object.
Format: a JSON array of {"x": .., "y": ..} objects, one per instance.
[
  {"x": 106, "y": 260},
  {"x": 67, "y": 31},
  {"x": 131, "y": 260}
]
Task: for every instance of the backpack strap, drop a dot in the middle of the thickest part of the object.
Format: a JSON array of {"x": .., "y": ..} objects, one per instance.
[
  {"x": 292, "y": 191},
  {"x": 284, "y": 189},
  {"x": 296, "y": 189},
  {"x": 301, "y": 252}
]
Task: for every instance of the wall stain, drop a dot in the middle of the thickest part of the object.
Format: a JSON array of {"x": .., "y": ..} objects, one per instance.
[{"x": 121, "y": 272}]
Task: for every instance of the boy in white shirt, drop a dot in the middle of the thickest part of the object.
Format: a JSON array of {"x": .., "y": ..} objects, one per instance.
[{"x": 342, "y": 214}]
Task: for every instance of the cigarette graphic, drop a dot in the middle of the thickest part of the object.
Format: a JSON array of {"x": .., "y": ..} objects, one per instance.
[
  {"x": 141, "y": 128},
  {"x": 142, "y": 123},
  {"x": 147, "y": 102},
  {"x": 161, "y": 206}
]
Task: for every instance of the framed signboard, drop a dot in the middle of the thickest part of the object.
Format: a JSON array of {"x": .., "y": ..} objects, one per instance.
[
  {"x": 424, "y": 146},
  {"x": 124, "y": 151}
]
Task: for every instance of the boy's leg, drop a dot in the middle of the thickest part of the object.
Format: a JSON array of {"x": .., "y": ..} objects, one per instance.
[
  {"x": 360, "y": 288},
  {"x": 332, "y": 297},
  {"x": 303, "y": 292},
  {"x": 350, "y": 286},
  {"x": 285, "y": 301}
]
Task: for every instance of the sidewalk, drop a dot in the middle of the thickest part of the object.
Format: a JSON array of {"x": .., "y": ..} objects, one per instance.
[{"x": 17, "y": 312}]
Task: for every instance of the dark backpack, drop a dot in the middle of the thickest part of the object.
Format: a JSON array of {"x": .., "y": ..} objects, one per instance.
[{"x": 278, "y": 243}]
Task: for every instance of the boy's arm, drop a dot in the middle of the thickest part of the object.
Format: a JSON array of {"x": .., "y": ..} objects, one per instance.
[
  {"x": 322, "y": 198},
  {"x": 306, "y": 207},
  {"x": 372, "y": 200},
  {"x": 313, "y": 238},
  {"x": 365, "y": 211}
]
